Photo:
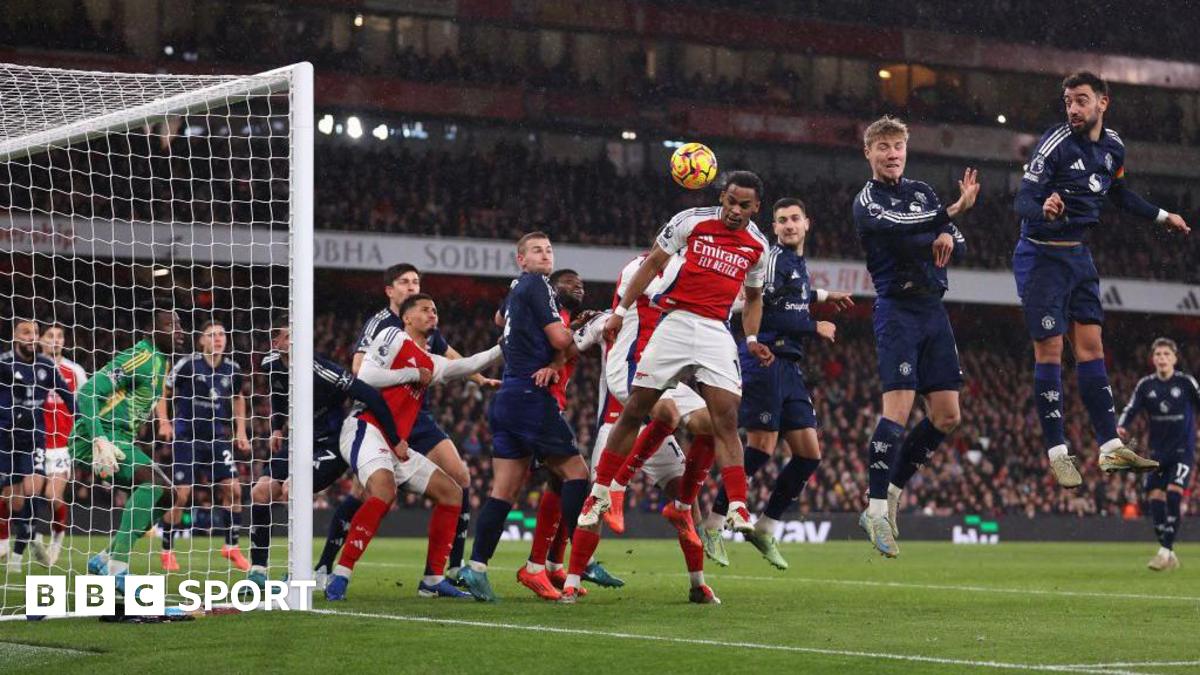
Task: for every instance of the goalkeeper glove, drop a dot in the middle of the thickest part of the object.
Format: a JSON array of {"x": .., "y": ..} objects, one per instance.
[{"x": 106, "y": 457}]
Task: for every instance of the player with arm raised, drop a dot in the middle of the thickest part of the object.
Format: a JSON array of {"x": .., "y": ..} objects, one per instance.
[
  {"x": 909, "y": 240},
  {"x": 207, "y": 392},
  {"x": 1170, "y": 399},
  {"x": 721, "y": 251},
  {"x": 776, "y": 399},
  {"x": 524, "y": 416},
  {"x": 27, "y": 379},
  {"x": 1073, "y": 167},
  {"x": 110, "y": 409},
  {"x": 331, "y": 387},
  {"x": 56, "y": 460},
  {"x": 400, "y": 282},
  {"x": 399, "y": 365}
]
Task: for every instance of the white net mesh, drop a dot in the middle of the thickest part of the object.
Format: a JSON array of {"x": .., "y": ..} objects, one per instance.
[{"x": 123, "y": 199}]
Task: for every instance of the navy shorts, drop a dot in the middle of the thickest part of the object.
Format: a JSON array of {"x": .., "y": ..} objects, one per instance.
[
  {"x": 1174, "y": 468},
  {"x": 1057, "y": 285},
  {"x": 328, "y": 465},
  {"x": 425, "y": 434},
  {"x": 15, "y": 464},
  {"x": 915, "y": 344},
  {"x": 526, "y": 421},
  {"x": 774, "y": 398},
  {"x": 207, "y": 459}
]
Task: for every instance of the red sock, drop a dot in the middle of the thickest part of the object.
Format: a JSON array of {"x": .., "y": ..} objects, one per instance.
[
  {"x": 559, "y": 547},
  {"x": 734, "y": 478},
  {"x": 3, "y": 520},
  {"x": 610, "y": 462},
  {"x": 548, "y": 516},
  {"x": 693, "y": 554},
  {"x": 362, "y": 528},
  {"x": 443, "y": 526},
  {"x": 60, "y": 518},
  {"x": 699, "y": 461},
  {"x": 583, "y": 545},
  {"x": 643, "y": 448}
]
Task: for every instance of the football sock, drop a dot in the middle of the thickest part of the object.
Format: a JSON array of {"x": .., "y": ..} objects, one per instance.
[
  {"x": 791, "y": 482},
  {"x": 734, "y": 478},
  {"x": 1171, "y": 526},
  {"x": 1097, "y": 398},
  {"x": 362, "y": 529},
  {"x": 1047, "y": 389},
  {"x": 442, "y": 525},
  {"x": 608, "y": 466},
  {"x": 574, "y": 492},
  {"x": 233, "y": 534},
  {"x": 918, "y": 447},
  {"x": 583, "y": 545},
  {"x": 260, "y": 534},
  {"x": 755, "y": 459},
  {"x": 488, "y": 528},
  {"x": 1158, "y": 514},
  {"x": 137, "y": 516},
  {"x": 647, "y": 443},
  {"x": 61, "y": 514},
  {"x": 23, "y": 528},
  {"x": 460, "y": 531},
  {"x": 168, "y": 534},
  {"x": 339, "y": 525},
  {"x": 882, "y": 451},
  {"x": 700, "y": 457},
  {"x": 548, "y": 515}
]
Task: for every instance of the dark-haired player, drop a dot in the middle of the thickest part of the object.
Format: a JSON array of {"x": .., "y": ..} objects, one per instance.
[
  {"x": 27, "y": 379},
  {"x": 210, "y": 418},
  {"x": 110, "y": 409},
  {"x": 1073, "y": 168},
  {"x": 722, "y": 251},
  {"x": 331, "y": 387},
  {"x": 775, "y": 398},
  {"x": 909, "y": 240},
  {"x": 1170, "y": 399}
]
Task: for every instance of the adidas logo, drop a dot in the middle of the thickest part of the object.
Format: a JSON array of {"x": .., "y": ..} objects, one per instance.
[
  {"x": 1078, "y": 165},
  {"x": 1111, "y": 297},
  {"x": 1189, "y": 303},
  {"x": 880, "y": 465}
]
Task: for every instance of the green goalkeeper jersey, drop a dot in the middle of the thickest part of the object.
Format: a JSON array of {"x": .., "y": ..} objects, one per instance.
[{"x": 120, "y": 397}]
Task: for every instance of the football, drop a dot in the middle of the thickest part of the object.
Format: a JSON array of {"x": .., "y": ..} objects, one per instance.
[{"x": 693, "y": 166}]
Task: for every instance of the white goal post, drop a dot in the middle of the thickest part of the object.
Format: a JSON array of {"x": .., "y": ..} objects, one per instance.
[{"x": 194, "y": 187}]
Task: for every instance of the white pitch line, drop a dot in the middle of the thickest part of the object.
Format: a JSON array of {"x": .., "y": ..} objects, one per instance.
[
  {"x": 1138, "y": 664},
  {"x": 716, "y": 574},
  {"x": 1000, "y": 665}
]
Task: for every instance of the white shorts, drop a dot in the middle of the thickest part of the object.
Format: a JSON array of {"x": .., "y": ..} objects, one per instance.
[
  {"x": 686, "y": 400},
  {"x": 55, "y": 462},
  {"x": 685, "y": 344},
  {"x": 366, "y": 451},
  {"x": 665, "y": 465}
]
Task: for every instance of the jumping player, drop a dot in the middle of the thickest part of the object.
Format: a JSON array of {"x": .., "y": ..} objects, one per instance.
[
  {"x": 1170, "y": 399},
  {"x": 776, "y": 399},
  {"x": 721, "y": 251},
  {"x": 909, "y": 239},
  {"x": 398, "y": 364},
  {"x": 1073, "y": 167}
]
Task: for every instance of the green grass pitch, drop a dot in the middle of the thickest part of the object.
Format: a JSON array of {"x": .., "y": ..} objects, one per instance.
[{"x": 939, "y": 608}]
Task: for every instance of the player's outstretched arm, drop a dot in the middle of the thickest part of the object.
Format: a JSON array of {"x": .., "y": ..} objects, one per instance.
[
  {"x": 1131, "y": 202},
  {"x": 377, "y": 369},
  {"x": 650, "y": 268},
  {"x": 444, "y": 369},
  {"x": 968, "y": 189}
]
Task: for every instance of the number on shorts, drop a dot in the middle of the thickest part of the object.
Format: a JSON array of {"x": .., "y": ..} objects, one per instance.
[
  {"x": 1181, "y": 472},
  {"x": 227, "y": 456}
]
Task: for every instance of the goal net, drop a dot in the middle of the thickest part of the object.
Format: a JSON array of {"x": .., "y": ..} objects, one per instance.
[{"x": 128, "y": 201}]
